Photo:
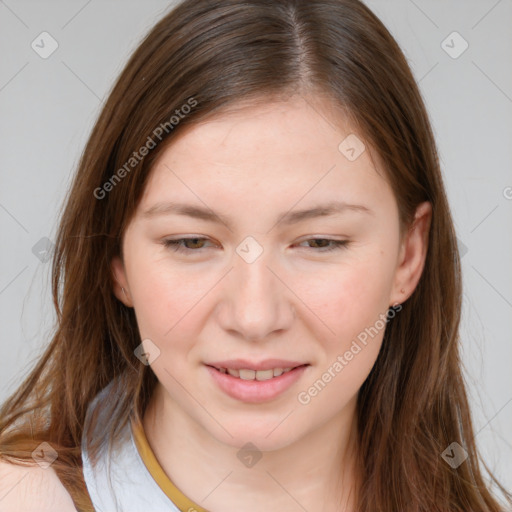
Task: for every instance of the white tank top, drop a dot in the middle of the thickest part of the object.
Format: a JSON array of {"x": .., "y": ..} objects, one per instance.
[{"x": 129, "y": 478}]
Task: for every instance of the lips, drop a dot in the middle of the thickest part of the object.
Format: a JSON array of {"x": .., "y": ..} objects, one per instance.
[
  {"x": 247, "y": 370},
  {"x": 252, "y": 389},
  {"x": 244, "y": 364}
]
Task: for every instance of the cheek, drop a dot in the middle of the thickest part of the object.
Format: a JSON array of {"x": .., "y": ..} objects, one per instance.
[
  {"x": 338, "y": 382},
  {"x": 165, "y": 300},
  {"x": 353, "y": 302},
  {"x": 348, "y": 298},
  {"x": 354, "y": 308}
]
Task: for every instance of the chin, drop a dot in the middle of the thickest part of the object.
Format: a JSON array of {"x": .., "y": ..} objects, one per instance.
[{"x": 266, "y": 436}]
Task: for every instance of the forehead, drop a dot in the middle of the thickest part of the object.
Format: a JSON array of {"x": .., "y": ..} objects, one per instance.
[
  {"x": 274, "y": 150},
  {"x": 296, "y": 127}
]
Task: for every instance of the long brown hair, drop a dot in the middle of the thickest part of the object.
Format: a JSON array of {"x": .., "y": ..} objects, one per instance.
[{"x": 211, "y": 55}]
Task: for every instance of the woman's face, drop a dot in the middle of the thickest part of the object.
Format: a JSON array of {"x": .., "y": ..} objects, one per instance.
[{"x": 265, "y": 195}]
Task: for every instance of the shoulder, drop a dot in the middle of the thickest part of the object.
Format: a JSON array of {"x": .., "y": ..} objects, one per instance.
[{"x": 32, "y": 488}]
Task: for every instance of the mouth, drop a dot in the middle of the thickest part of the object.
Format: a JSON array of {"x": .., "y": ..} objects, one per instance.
[
  {"x": 256, "y": 383},
  {"x": 259, "y": 375}
]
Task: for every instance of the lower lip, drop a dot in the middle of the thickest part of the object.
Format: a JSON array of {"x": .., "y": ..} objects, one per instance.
[{"x": 255, "y": 391}]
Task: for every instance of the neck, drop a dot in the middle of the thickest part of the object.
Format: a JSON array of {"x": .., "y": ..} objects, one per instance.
[{"x": 316, "y": 472}]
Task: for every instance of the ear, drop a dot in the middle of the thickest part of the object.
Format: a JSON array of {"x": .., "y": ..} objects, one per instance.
[
  {"x": 120, "y": 282},
  {"x": 413, "y": 252}
]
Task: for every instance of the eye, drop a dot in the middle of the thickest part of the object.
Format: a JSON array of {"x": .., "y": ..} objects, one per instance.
[
  {"x": 336, "y": 244},
  {"x": 176, "y": 245},
  {"x": 195, "y": 244}
]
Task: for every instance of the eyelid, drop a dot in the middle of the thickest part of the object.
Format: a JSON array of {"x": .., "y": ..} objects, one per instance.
[{"x": 336, "y": 244}]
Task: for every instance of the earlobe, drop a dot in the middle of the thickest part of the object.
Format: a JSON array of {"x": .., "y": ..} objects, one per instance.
[
  {"x": 120, "y": 284},
  {"x": 413, "y": 254}
]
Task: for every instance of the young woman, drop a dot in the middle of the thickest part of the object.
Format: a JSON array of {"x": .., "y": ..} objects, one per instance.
[{"x": 257, "y": 284}]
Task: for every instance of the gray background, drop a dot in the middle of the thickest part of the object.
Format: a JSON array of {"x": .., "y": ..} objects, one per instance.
[{"x": 48, "y": 107}]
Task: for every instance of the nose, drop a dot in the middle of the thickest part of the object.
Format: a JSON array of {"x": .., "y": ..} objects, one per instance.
[{"x": 256, "y": 303}]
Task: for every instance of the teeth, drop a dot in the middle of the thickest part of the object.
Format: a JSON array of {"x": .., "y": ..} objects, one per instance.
[
  {"x": 246, "y": 374},
  {"x": 264, "y": 374}
]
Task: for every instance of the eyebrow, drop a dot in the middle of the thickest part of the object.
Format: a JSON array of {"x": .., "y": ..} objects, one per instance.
[{"x": 287, "y": 218}]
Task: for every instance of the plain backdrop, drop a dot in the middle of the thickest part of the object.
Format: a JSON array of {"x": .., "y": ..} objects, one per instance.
[{"x": 461, "y": 55}]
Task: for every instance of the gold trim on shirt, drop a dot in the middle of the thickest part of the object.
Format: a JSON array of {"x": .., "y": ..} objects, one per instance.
[{"x": 158, "y": 474}]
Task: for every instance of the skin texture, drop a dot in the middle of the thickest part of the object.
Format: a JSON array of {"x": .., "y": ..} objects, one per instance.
[
  {"x": 295, "y": 301},
  {"x": 32, "y": 489}
]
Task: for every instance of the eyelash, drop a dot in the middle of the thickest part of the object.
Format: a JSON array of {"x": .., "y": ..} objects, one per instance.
[{"x": 176, "y": 247}]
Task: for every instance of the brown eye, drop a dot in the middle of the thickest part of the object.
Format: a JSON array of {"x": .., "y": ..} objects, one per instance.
[
  {"x": 192, "y": 244},
  {"x": 323, "y": 243}
]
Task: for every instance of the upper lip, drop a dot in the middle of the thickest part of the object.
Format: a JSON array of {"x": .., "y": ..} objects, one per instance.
[{"x": 267, "y": 364}]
